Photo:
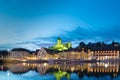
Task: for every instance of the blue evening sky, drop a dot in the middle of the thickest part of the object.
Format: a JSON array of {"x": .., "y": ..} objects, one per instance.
[{"x": 37, "y": 23}]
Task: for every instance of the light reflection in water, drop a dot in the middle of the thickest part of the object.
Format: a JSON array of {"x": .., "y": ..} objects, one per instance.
[
  {"x": 8, "y": 74},
  {"x": 60, "y": 71}
]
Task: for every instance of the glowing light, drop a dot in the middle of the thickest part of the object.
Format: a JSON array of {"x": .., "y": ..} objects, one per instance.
[
  {"x": 73, "y": 53},
  {"x": 8, "y": 74},
  {"x": 45, "y": 58},
  {"x": 106, "y": 57},
  {"x": 45, "y": 64},
  {"x": 34, "y": 58},
  {"x": 72, "y": 69},
  {"x": 28, "y": 64},
  {"x": 24, "y": 63},
  {"x": 106, "y": 65},
  {"x": 23, "y": 60}
]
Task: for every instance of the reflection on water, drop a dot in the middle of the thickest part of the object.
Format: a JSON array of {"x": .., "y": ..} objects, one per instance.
[{"x": 82, "y": 71}]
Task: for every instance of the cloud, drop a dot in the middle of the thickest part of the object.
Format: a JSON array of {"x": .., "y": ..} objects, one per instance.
[
  {"x": 92, "y": 34},
  {"x": 106, "y": 34},
  {"x": 85, "y": 34},
  {"x": 31, "y": 45}
]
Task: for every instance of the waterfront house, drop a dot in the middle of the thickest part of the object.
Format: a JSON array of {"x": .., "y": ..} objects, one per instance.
[
  {"x": 106, "y": 52},
  {"x": 45, "y": 53},
  {"x": 19, "y": 53}
]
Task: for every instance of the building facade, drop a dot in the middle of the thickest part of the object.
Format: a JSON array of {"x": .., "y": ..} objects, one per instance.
[
  {"x": 60, "y": 46},
  {"x": 47, "y": 54},
  {"x": 106, "y": 54},
  {"x": 19, "y": 53},
  {"x": 42, "y": 53}
]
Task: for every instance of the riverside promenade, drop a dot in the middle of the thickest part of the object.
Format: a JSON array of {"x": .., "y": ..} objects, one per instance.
[{"x": 55, "y": 61}]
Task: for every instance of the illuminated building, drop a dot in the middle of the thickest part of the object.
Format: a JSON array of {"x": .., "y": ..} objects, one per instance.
[
  {"x": 104, "y": 55},
  {"x": 46, "y": 54},
  {"x": 63, "y": 51},
  {"x": 106, "y": 52},
  {"x": 98, "y": 51},
  {"x": 60, "y": 46}
]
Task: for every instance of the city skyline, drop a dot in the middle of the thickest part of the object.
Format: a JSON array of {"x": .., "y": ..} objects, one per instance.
[{"x": 32, "y": 24}]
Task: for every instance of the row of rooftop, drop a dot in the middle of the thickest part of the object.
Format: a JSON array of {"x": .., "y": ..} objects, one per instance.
[{"x": 60, "y": 47}]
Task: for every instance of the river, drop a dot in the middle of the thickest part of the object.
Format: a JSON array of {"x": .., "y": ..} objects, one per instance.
[{"x": 45, "y": 71}]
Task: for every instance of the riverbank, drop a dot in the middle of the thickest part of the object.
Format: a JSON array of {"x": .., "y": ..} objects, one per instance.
[
  {"x": 22, "y": 61},
  {"x": 56, "y": 61}
]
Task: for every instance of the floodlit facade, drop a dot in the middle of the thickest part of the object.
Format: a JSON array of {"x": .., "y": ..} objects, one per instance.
[
  {"x": 60, "y": 46},
  {"x": 47, "y": 54},
  {"x": 104, "y": 54},
  {"x": 95, "y": 52}
]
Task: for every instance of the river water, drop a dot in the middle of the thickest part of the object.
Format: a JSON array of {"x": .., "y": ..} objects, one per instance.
[{"x": 45, "y": 71}]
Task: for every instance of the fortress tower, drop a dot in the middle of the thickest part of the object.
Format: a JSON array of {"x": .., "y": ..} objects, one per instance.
[{"x": 60, "y": 46}]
